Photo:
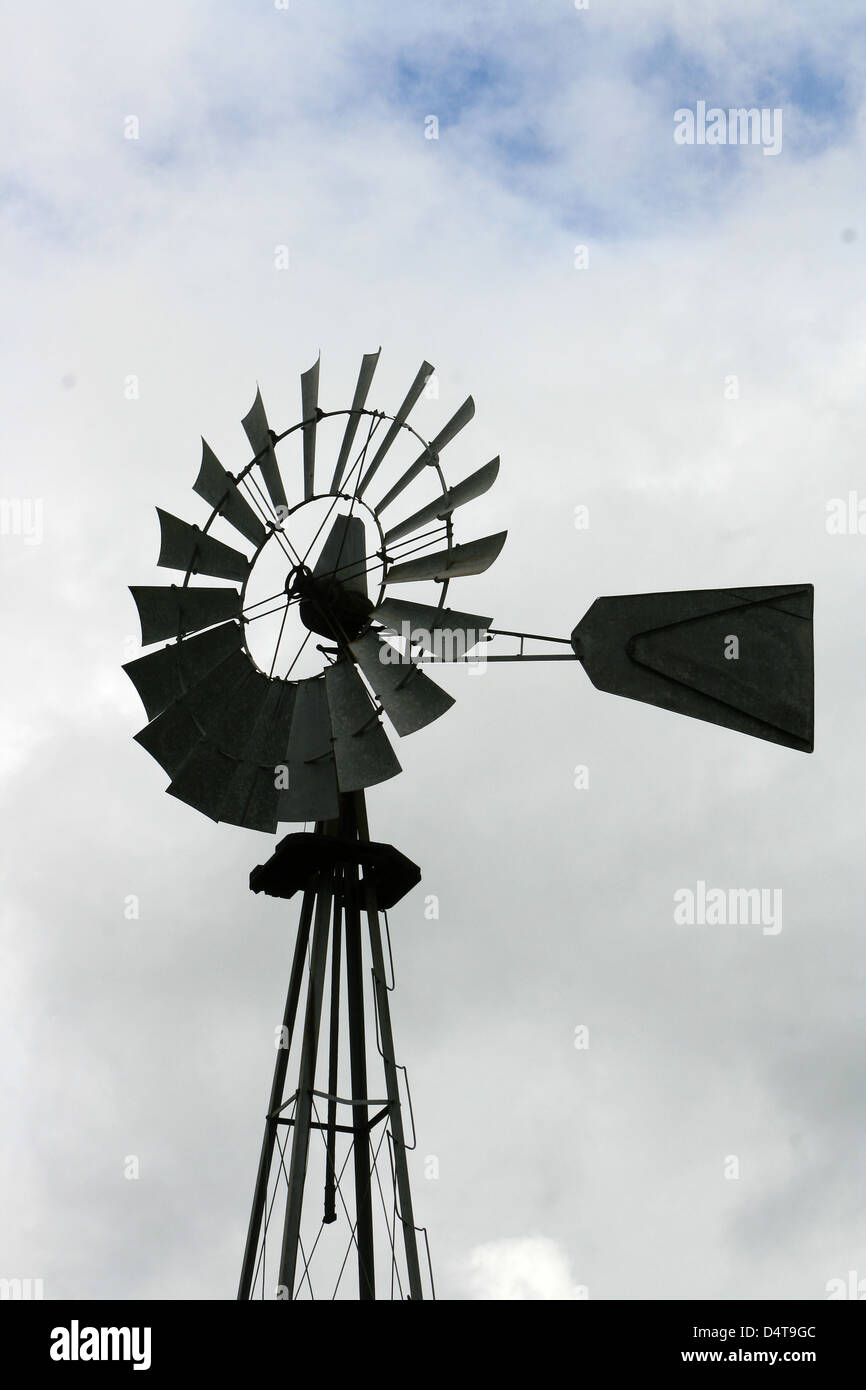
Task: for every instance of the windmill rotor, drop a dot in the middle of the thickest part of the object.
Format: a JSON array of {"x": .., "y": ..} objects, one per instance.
[{"x": 222, "y": 719}]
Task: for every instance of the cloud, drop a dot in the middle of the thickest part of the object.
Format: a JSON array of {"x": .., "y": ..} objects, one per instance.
[{"x": 531, "y": 1267}]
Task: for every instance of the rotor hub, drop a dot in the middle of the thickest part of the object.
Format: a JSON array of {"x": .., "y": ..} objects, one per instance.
[{"x": 327, "y": 606}]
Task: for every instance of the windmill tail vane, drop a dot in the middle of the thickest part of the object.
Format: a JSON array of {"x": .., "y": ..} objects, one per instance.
[{"x": 266, "y": 701}]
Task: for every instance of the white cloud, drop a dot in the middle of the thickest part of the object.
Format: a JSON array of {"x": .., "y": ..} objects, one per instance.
[{"x": 531, "y": 1267}]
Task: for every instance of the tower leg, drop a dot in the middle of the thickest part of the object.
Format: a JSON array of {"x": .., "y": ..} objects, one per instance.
[
  {"x": 360, "y": 1112},
  {"x": 330, "y": 1214},
  {"x": 306, "y": 1086},
  {"x": 383, "y": 1008},
  {"x": 277, "y": 1091}
]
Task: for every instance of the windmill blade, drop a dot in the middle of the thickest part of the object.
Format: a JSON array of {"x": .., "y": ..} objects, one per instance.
[
  {"x": 226, "y": 790},
  {"x": 219, "y": 488},
  {"x": 204, "y": 779},
  {"x": 269, "y": 737},
  {"x": 170, "y": 738},
  {"x": 397, "y": 423},
  {"x": 228, "y": 701},
  {"x": 164, "y": 676},
  {"x": 172, "y": 610},
  {"x": 251, "y": 799},
  {"x": 309, "y": 759},
  {"x": 309, "y": 415},
  {"x": 472, "y": 558},
  {"x": 258, "y": 432},
  {"x": 343, "y": 554},
  {"x": 214, "y": 709},
  {"x": 458, "y": 421},
  {"x": 185, "y": 547},
  {"x": 362, "y": 752},
  {"x": 430, "y": 627},
  {"x": 474, "y": 486},
  {"x": 359, "y": 400},
  {"x": 409, "y": 698}
]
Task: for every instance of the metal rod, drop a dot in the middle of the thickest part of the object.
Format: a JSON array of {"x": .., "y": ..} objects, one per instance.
[
  {"x": 358, "y": 1064},
  {"x": 533, "y": 636},
  {"x": 483, "y": 660},
  {"x": 277, "y": 1088},
  {"x": 391, "y": 1079},
  {"x": 331, "y": 1143},
  {"x": 306, "y": 1083}
]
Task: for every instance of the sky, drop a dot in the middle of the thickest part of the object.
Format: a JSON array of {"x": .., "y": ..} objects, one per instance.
[{"x": 668, "y": 335}]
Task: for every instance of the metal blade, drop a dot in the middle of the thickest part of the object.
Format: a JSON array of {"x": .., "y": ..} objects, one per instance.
[
  {"x": 162, "y": 677},
  {"x": 343, "y": 554},
  {"x": 458, "y": 421},
  {"x": 361, "y": 749},
  {"x": 251, "y": 799},
  {"x": 269, "y": 738},
  {"x": 312, "y": 790},
  {"x": 170, "y": 738},
  {"x": 204, "y": 779},
  {"x": 219, "y": 488},
  {"x": 474, "y": 486},
  {"x": 399, "y": 420},
  {"x": 309, "y": 414},
  {"x": 228, "y": 701},
  {"x": 430, "y": 627},
  {"x": 185, "y": 547},
  {"x": 365, "y": 376},
  {"x": 258, "y": 432},
  {"x": 171, "y": 611},
  {"x": 410, "y": 699},
  {"x": 472, "y": 558}
]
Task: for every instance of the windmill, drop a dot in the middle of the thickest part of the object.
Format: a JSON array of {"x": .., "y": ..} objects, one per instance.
[{"x": 257, "y": 723}]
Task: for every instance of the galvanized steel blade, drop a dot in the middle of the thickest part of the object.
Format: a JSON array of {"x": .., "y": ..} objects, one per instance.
[
  {"x": 472, "y": 558},
  {"x": 359, "y": 400},
  {"x": 258, "y": 432},
  {"x": 228, "y": 701},
  {"x": 171, "y": 737},
  {"x": 185, "y": 547},
  {"x": 410, "y": 699},
  {"x": 343, "y": 554},
  {"x": 251, "y": 798},
  {"x": 474, "y": 486},
  {"x": 162, "y": 677},
  {"x": 397, "y": 423},
  {"x": 269, "y": 738},
  {"x": 312, "y": 775},
  {"x": 459, "y": 420},
  {"x": 309, "y": 415},
  {"x": 204, "y": 779},
  {"x": 220, "y": 490},
  {"x": 432, "y": 628},
  {"x": 169, "y": 610},
  {"x": 362, "y": 751}
]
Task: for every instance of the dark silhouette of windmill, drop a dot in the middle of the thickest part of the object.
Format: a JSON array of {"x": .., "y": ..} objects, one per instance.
[{"x": 248, "y": 736}]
